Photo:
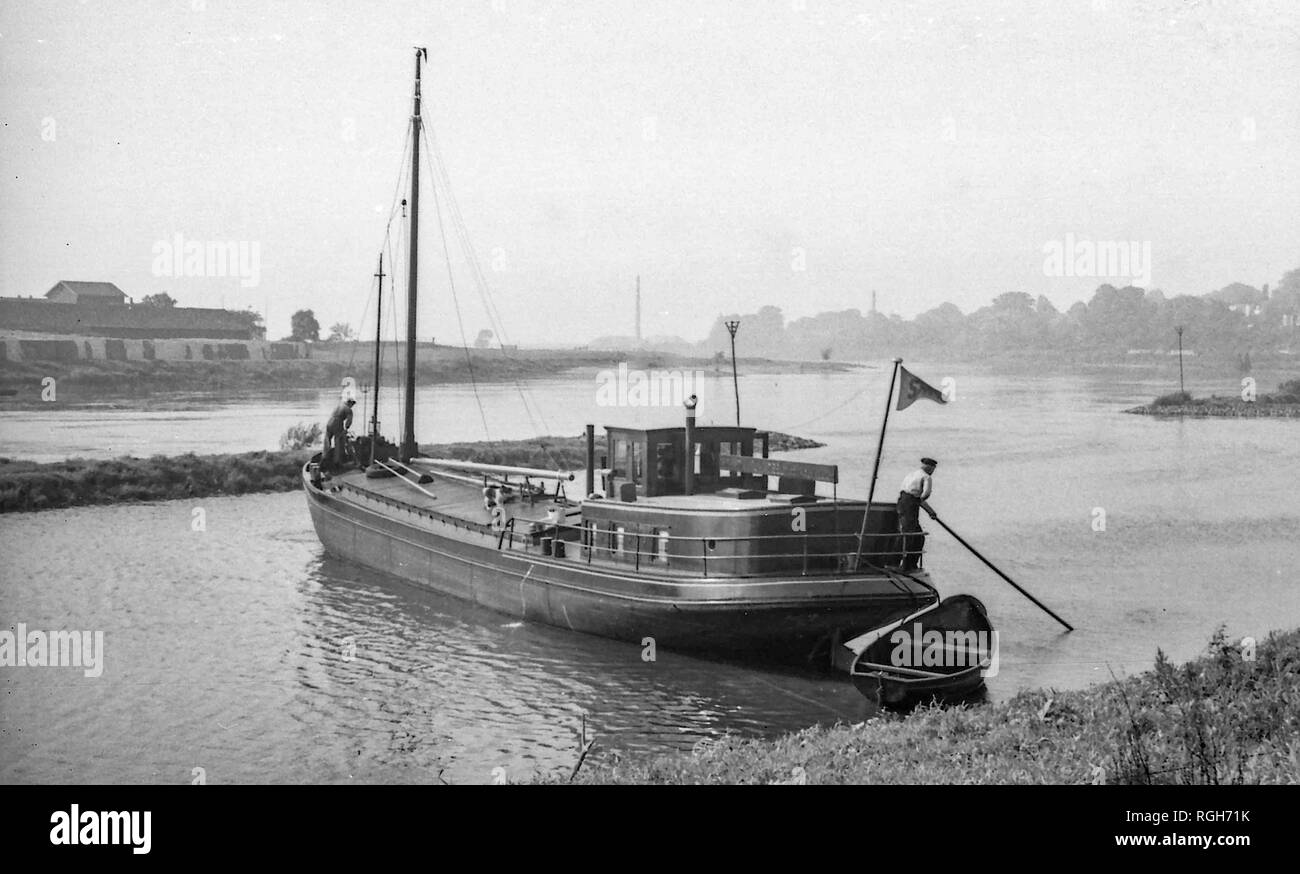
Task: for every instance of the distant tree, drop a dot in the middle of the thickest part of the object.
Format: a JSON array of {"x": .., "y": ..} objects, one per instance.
[
  {"x": 1119, "y": 319},
  {"x": 1009, "y": 323},
  {"x": 253, "y": 320},
  {"x": 1239, "y": 294},
  {"x": 1281, "y": 315},
  {"x": 304, "y": 327},
  {"x": 761, "y": 333},
  {"x": 1014, "y": 301},
  {"x": 1290, "y": 283},
  {"x": 341, "y": 331},
  {"x": 826, "y": 354},
  {"x": 162, "y": 299},
  {"x": 484, "y": 339}
]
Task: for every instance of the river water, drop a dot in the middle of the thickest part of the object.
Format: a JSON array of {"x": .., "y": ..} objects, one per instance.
[{"x": 243, "y": 651}]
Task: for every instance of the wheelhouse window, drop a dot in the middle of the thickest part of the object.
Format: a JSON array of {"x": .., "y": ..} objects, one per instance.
[
  {"x": 667, "y": 468},
  {"x": 619, "y": 462}
]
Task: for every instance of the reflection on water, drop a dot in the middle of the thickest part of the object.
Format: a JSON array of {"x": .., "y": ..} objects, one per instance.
[{"x": 244, "y": 651}]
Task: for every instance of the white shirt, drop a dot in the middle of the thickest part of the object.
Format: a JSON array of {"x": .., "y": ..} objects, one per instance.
[{"x": 918, "y": 483}]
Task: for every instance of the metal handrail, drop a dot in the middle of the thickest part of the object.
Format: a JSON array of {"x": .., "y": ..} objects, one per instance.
[
  {"x": 587, "y": 542},
  {"x": 587, "y": 539},
  {"x": 543, "y": 525}
]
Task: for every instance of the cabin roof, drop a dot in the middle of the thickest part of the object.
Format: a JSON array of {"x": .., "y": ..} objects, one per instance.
[{"x": 712, "y": 431}]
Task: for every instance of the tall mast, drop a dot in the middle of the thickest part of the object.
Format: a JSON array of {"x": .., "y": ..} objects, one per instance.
[
  {"x": 379, "y": 321},
  {"x": 409, "y": 449}
]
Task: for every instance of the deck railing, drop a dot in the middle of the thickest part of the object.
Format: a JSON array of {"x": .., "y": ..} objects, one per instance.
[
  {"x": 688, "y": 555},
  {"x": 702, "y": 554}
]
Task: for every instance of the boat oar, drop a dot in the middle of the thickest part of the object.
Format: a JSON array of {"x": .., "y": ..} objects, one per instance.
[{"x": 998, "y": 571}]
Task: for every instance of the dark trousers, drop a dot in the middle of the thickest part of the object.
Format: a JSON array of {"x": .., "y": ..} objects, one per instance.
[
  {"x": 334, "y": 448},
  {"x": 911, "y": 538}
]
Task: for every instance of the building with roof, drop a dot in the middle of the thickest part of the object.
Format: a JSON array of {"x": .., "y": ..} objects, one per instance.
[
  {"x": 101, "y": 309},
  {"x": 73, "y": 291}
]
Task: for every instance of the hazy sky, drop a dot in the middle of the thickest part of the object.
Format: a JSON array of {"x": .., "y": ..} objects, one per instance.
[{"x": 797, "y": 154}]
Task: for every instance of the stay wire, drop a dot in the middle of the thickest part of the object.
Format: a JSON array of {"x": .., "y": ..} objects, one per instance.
[
  {"x": 451, "y": 282},
  {"x": 439, "y": 171}
]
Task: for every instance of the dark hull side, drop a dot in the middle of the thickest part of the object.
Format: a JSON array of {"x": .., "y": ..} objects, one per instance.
[
  {"x": 778, "y": 620},
  {"x": 873, "y": 677},
  {"x": 904, "y": 692}
]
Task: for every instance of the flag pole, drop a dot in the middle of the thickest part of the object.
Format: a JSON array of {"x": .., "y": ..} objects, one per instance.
[{"x": 880, "y": 446}]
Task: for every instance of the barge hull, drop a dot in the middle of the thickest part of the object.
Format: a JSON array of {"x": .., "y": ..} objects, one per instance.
[{"x": 782, "y": 620}]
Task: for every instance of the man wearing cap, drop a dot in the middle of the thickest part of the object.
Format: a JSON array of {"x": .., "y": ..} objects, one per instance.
[
  {"x": 917, "y": 486},
  {"x": 336, "y": 431}
]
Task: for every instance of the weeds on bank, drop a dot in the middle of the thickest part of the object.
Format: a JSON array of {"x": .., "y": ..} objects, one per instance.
[
  {"x": 1221, "y": 718},
  {"x": 1230, "y": 717},
  {"x": 301, "y": 436}
]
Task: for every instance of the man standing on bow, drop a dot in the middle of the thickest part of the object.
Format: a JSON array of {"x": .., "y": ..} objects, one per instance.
[
  {"x": 911, "y": 500},
  {"x": 336, "y": 434}
]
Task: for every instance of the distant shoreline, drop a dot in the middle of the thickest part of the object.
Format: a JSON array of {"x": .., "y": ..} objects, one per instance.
[
  {"x": 1228, "y": 410},
  {"x": 22, "y": 382},
  {"x": 104, "y": 382}
]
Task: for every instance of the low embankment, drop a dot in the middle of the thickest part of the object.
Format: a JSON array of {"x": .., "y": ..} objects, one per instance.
[
  {"x": 24, "y": 382},
  {"x": 26, "y": 485},
  {"x": 1283, "y": 404},
  {"x": 1231, "y": 716}
]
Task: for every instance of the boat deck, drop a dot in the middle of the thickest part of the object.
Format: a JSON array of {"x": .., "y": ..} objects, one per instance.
[
  {"x": 445, "y": 497},
  {"x": 696, "y": 547},
  {"x": 465, "y": 501}
]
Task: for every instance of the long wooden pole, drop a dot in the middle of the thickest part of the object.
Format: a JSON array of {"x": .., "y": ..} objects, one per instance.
[
  {"x": 998, "y": 571},
  {"x": 409, "y": 449},
  {"x": 880, "y": 446},
  {"x": 379, "y": 322}
]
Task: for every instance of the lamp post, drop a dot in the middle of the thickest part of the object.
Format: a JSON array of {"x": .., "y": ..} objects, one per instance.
[
  {"x": 732, "y": 327},
  {"x": 1181, "y": 390}
]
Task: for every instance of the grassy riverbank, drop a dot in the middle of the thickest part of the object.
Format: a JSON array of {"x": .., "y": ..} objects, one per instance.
[
  {"x": 1231, "y": 716},
  {"x": 1284, "y": 403},
  {"x": 26, "y": 485}
]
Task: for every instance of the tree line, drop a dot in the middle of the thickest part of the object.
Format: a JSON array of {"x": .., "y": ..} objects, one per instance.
[{"x": 1233, "y": 322}]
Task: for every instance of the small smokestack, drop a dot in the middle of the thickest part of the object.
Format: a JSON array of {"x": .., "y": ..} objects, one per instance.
[
  {"x": 689, "y": 476},
  {"x": 591, "y": 460}
]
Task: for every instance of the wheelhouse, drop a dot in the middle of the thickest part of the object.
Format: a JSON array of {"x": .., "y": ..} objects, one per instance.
[{"x": 709, "y": 501}]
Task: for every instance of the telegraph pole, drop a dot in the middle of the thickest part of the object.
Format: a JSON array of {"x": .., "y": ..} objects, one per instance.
[
  {"x": 732, "y": 327},
  {"x": 1179, "y": 329}
]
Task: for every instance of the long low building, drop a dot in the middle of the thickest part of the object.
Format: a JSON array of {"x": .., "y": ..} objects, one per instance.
[
  {"x": 30, "y": 347},
  {"x": 138, "y": 321}
]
